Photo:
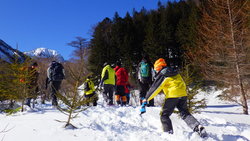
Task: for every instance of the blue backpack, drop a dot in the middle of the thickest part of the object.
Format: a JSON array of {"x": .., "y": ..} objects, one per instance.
[{"x": 144, "y": 69}]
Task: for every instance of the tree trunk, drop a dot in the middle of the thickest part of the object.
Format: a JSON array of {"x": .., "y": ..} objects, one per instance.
[
  {"x": 243, "y": 99},
  {"x": 236, "y": 57}
]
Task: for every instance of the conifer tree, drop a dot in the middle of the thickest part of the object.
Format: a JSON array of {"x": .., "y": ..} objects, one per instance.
[
  {"x": 223, "y": 52},
  {"x": 16, "y": 80},
  {"x": 71, "y": 98},
  {"x": 100, "y": 46},
  {"x": 193, "y": 88}
]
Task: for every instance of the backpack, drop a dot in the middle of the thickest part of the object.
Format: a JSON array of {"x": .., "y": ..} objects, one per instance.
[
  {"x": 144, "y": 69},
  {"x": 56, "y": 72}
]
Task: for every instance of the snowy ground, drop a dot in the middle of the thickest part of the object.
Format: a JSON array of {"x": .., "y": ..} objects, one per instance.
[{"x": 223, "y": 122}]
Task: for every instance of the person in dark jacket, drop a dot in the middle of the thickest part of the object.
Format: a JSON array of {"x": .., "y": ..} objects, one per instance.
[
  {"x": 171, "y": 83},
  {"x": 145, "y": 74},
  {"x": 120, "y": 85},
  {"x": 55, "y": 74},
  {"x": 33, "y": 85}
]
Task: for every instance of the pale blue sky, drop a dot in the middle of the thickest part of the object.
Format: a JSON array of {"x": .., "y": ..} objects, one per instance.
[{"x": 54, "y": 23}]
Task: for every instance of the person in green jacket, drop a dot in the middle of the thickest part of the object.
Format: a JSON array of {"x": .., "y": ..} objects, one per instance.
[
  {"x": 89, "y": 92},
  {"x": 108, "y": 83},
  {"x": 170, "y": 82}
]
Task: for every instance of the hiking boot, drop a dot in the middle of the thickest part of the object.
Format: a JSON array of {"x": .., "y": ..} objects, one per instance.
[
  {"x": 201, "y": 131},
  {"x": 169, "y": 132}
]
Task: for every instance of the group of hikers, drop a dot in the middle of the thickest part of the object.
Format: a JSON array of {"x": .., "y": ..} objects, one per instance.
[
  {"x": 55, "y": 75},
  {"x": 117, "y": 80},
  {"x": 152, "y": 78}
]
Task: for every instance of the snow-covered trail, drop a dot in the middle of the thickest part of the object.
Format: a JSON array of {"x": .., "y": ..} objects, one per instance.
[
  {"x": 222, "y": 120},
  {"x": 123, "y": 123}
]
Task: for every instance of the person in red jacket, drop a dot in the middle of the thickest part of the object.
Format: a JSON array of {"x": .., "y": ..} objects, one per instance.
[{"x": 121, "y": 82}]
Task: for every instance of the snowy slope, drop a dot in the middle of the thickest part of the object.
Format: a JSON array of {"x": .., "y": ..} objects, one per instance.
[
  {"x": 222, "y": 120},
  {"x": 45, "y": 53},
  {"x": 8, "y": 54}
]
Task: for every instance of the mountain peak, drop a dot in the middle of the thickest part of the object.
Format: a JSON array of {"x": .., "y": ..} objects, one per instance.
[{"x": 45, "y": 53}]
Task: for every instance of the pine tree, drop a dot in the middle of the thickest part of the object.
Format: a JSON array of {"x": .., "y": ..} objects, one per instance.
[
  {"x": 71, "y": 98},
  {"x": 15, "y": 82},
  {"x": 193, "y": 88},
  {"x": 100, "y": 46}
]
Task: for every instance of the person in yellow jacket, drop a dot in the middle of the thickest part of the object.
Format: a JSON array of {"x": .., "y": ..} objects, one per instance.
[
  {"x": 170, "y": 82},
  {"x": 108, "y": 83},
  {"x": 89, "y": 92}
]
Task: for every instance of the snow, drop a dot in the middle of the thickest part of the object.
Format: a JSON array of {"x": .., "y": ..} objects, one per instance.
[
  {"x": 45, "y": 53},
  {"x": 223, "y": 121},
  {"x": 7, "y": 51}
]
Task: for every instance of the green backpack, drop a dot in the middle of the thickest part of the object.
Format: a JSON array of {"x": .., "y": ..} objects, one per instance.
[{"x": 144, "y": 69}]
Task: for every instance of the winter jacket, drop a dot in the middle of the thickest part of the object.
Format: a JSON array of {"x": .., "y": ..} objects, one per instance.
[
  {"x": 108, "y": 75},
  {"x": 170, "y": 82},
  {"x": 89, "y": 87},
  {"x": 121, "y": 76}
]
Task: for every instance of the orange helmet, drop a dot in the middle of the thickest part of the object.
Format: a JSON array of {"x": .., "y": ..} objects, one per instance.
[{"x": 159, "y": 64}]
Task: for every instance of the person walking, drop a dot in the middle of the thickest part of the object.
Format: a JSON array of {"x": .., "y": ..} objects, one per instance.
[
  {"x": 121, "y": 82},
  {"x": 89, "y": 92},
  {"x": 171, "y": 83},
  {"x": 108, "y": 83},
  {"x": 32, "y": 82},
  {"x": 55, "y": 74},
  {"x": 145, "y": 74}
]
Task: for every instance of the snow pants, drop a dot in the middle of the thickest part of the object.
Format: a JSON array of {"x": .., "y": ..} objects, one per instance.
[
  {"x": 91, "y": 98},
  {"x": 168, "y": 108},
  {"x": 120, "y": 95},
  {"x": 108, "y": 93},
  {"x": 54, "y": 88},
  {"x": 144, "y": 87}
]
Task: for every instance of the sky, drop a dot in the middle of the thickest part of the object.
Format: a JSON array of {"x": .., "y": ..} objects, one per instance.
[{"x": 30, "y": 24}]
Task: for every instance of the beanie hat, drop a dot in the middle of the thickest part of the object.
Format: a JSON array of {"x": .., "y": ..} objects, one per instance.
[
  {"x": 159, "y": 64},
  {"x": 118, "y": 63}
]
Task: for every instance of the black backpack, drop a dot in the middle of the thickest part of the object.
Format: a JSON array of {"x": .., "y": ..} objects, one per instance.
[{"x": 56, "y": 72}]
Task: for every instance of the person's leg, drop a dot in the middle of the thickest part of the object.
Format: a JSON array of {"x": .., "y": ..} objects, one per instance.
[
  {"x": 105, "y": 93},
  {"x": 52, "y": 92},
  {"x": 124, "y": 100},
  {"x": 167, "y": 110},
  {"x": 55, "y": 86},
  {"x": 110, "y": 94},
  {"x": 87, "y": 98},
  {"x": 28, "y": 101},
  {"x": 123, "y": 95},
  {"x": 146, "y": 87},
  {"x": 185, "y": 114},
  {"x": 128, "y": 97},
  {"x": 143, "y": 91},
  {"x": 118, "y": 99},
  {"x": 95, "y": 99}
]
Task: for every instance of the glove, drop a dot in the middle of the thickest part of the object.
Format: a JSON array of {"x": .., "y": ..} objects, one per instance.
[{"x": 143, "y": 108}]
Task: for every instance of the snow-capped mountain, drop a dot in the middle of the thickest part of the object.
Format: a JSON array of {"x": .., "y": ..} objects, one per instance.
[
  {"x": 45, "y": 53},
  {"x": 8, "y": 54}
]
